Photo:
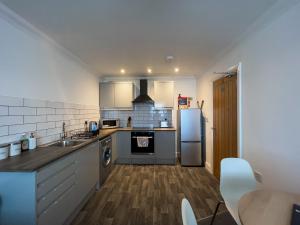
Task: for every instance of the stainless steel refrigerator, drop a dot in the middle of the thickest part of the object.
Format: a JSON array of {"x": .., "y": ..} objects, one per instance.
[{"x": 190, "y": 130}]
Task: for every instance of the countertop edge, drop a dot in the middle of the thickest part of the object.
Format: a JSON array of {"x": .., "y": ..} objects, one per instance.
[{"x": 17, "y": 161}]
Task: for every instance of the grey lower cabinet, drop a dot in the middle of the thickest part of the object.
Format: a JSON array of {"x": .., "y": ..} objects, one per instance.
[
  {"x": 123, "y": 147},
  {"x": 114, "y": 148},
  {"x": 53, "y": 194},
  {"x": 164, "y": 147},
  {"x": 69, "y": 182}
]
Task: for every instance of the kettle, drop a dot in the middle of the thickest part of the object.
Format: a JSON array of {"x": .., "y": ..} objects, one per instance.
[{"x": 93, "y": 126}]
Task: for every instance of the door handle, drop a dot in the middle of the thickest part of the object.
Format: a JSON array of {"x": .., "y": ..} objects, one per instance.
[{"x": 213, "y": 128}]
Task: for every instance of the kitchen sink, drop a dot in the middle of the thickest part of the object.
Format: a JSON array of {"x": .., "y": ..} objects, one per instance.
[{"x": 67, "y": 143}]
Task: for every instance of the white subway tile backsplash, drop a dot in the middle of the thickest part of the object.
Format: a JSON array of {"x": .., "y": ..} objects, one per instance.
[
  {"x": 67, "y": 111},
  {"x": 11, "y": 101},
  {"x": 3, "y": 110},
  {"x": 17, "y": 129},
  {"x": 4, "y": 131},
  {"x": 34, "y": 103},
  {"x": 10, "y": 120},
  {"x": 70, "y": 117},
  {"x": 9, "y": 138},
  {"x": 74, "y": 122},
  {"x": 41, "y": 133},
  {"x": 55, "y": 117},
  {"x": 59, "y": 123},
  {"x": 54, "y": 131},
  {"x": 44, "y": 126},
  {"x": 45, "y": 111},
  {"x": 45, "y": 118},
  {"x": 58, "y": 105},
  {"x": 75, "y": 127},
  {"x": 35, "y": 119},
  {"x": 16, "y": 111},
  {"x": 48, "y": 139}
]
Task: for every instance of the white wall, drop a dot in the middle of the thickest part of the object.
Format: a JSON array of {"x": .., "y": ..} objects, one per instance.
[
  {"x": 271, "y": 105},
  {"x": 186, "y": 87},
  {"x": 32, "y": 67}
]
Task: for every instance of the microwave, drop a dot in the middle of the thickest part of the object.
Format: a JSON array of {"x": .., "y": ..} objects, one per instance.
[{"x": 110, "y": 123}]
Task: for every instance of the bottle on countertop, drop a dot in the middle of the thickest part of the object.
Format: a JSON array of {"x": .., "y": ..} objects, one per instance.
[
  {"x": 24, "y": 142},
  {"x": 32, "y": 142},
  {"x": 129, "y": 121},
  {"x": 86, "y": 126}
]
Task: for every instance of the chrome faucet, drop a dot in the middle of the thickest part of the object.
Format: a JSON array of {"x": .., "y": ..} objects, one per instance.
[{"x": 64, "y": 133}]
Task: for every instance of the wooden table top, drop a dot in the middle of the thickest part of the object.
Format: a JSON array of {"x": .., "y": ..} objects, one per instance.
[{"x": 267, "y": 207}]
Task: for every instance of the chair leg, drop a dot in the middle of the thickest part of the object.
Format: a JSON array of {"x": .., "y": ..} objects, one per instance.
[{"x": 215, "y": 213}]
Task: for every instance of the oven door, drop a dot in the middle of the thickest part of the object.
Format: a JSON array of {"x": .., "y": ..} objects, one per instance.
[{"x": 142, "y": 142}]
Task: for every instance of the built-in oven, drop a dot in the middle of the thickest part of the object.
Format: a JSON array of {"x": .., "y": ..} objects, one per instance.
[{"x": 142, "y": 142}]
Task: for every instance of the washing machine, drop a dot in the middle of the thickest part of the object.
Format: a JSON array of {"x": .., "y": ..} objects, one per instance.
[{"x": 105, "y": 159}]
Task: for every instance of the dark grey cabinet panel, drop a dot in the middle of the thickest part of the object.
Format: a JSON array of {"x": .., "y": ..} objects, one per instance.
[
  {"x": 114, "y": 147},
  {"x": 165, "y": 149},
  {"x": 123, "y": 145}
]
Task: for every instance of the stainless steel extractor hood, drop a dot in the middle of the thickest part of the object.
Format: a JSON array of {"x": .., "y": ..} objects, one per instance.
[{"x": 143, "y": 98}]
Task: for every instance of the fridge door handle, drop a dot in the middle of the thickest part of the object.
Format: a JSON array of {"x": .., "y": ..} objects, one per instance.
[{"x": 191, "y": 141}]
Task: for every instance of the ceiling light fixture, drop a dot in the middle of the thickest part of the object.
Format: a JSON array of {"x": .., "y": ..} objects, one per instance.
[
  {"x": 176, "y": 69},
  {"x": 169, "y": 58},
  {"x": 149, "y": 70},
  {"x": 122, "y": 71}
]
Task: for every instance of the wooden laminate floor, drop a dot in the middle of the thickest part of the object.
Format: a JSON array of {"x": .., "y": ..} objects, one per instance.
[{"x": 150, "y": 195}]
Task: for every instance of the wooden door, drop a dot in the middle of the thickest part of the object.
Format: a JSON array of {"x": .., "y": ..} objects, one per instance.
[{"x": 225, "y": 120}]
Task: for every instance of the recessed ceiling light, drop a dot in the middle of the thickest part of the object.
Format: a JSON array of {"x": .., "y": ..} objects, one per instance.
[
  {"x": 176, "y": 69},
  {"x": 149, "y": 70},
  {"x": 122, "y": 71}
]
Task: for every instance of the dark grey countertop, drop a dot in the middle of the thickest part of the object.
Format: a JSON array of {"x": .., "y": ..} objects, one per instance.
[{"x": 34, "y": 160}]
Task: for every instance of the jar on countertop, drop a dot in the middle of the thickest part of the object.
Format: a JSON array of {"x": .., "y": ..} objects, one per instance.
[
  {"x": 15, "y": 149},
  {"x": 4, "y": 150}
]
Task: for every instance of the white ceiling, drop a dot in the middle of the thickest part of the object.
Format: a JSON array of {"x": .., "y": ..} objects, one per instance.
[{"x": 135, "y": 34}]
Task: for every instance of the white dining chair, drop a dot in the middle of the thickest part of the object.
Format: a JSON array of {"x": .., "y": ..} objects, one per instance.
[
  {"x": 236, "y": 179},
  {"x": 187, "y": 214}
]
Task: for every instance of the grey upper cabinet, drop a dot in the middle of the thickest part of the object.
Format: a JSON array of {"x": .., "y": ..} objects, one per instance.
[
  {"x": 107, "y": 95},
  {"x": 123, "y": 94},
  {"x": 163, "y": 94},
  {"x": 116, "y": 95}
]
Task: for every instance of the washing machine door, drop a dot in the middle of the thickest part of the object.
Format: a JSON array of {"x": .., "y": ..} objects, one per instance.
[{"x": 106, "y": 156}]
